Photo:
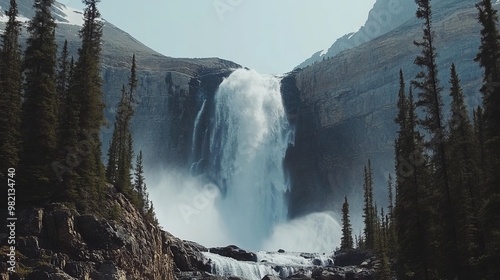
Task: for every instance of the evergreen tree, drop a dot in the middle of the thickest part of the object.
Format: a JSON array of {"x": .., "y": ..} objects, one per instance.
[
  {"x": 463, "y": 167},
  {"x": 121, "y": 152},
  {"x": 411, "y": 208},
  {"x": 390, "y": 206},
  {"x": 39, "y": 124},
  {"x": 87, "y": 93},
  {"x": 369, "y": 214},
  {"x": 430, "y": 101},
  {"x": 488, "y": 58},
  {"x": 346, "y": 242},
  {"x": 10, "y": 91},
  {"x": 70, "y": 157},
  {"x": 63, "y": 73},
  {"x": 384, "y": 269},
  {"x": 390, "y": 224},
  {"x": 140, "y": 184}
]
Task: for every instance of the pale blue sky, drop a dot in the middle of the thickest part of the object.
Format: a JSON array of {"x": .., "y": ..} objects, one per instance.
[{"x": 271, "y": 36}]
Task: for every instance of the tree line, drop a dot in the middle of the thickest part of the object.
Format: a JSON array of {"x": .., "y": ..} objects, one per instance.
[
  {"x": 443, "y": 219},
  {"x": 51, "y": 113}
]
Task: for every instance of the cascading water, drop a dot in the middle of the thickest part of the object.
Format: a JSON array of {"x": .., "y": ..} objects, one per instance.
[
  {"x": 236, "y": 188},
  {"x": 196, "y": 123},
  {"x": 249, "y": 138}
]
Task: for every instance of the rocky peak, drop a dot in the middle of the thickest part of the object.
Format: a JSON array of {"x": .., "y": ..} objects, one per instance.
[{"x": 385, "y": 16}]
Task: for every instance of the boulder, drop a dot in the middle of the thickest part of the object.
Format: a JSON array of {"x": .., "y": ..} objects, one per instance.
[
  {"x": 187, "y": 255},
  {"x": 270, "y": 277},
  {"x": 354, "y": 257},
  {"x": 234, "y": 252}
]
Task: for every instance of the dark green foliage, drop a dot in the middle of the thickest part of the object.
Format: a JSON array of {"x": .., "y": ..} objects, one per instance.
[
  {"x": 369, "y": 213},
  {"x": 10, "y": 91},
  {"x": 384, "y": 269},
  {"x": 465, "y": 179},
  {"x": 40, "y": 112},
  {"x": 411, "y": 213},
  {"x": 63, "y": 76},
  {"x": 430, "y": 101},
  {"x": 346, "y": 242},
  {"x": 69, "y": 154},
  {"x": 390, "y": 220},
  {"x": 140, "y": 184},
  {"x": 120, "y": 151},
  {"x": 88, "y": 116},
  {"x": 489, "y": 126}
]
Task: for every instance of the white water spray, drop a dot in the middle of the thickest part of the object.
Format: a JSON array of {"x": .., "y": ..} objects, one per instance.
[{"x": 248, "y": 144}]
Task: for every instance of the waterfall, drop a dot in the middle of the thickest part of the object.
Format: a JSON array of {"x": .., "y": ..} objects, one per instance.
[
  {"x": 235, "y": 192},
  {"x": 249, "y": 137},
  {"x": 196, "y": 124}
]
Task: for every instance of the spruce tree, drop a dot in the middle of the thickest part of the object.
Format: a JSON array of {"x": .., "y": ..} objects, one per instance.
[
  {"x": 63, "y": 73},
  {"x": 390, "y": 221},
  {"x": 70, "y": 156},
  {"x": 465, "y": 178},
  {"x": 39, "y": 123},
  {"x": 411, "y": 213},
  {"x": 86, "y": 88},
  {"x": 369, "y": 214},
  {"x": 10, "y": 91},
  {"x": 140, "y": 184},
  {"x": 346, "y": 242},
  {"x": 120, "y": 151},
  {"x": 430, "y": 101},
  {"x": 488, "y": 58}
]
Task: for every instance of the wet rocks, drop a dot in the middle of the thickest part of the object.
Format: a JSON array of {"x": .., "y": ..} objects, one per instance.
[{"x": 234, "y": 252}]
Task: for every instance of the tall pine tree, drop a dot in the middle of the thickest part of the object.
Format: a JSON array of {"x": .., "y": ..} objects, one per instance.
[
  {"x": 465, "y": 175},
  {"x": 10, "y": 91},
  {"x": 411, "y": 212},
  {"x": 346, "y": 242},
  {"x": 120, "y": 150},
  {"x": 430, "y": 101},
  {"x": 63, "y": 73},
  {"x": 39, "y": 124},
  {"x": 369, "y": 212},
  {"x": 488, "y": 58},
  {"x": 87, "y": 93}
]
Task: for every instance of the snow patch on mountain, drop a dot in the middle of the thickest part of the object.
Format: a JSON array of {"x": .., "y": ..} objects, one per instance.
[
  {"x": 68, "y": 15},
  {"x": 5, "y": 18},
  {"x": 62, "y": 14}
]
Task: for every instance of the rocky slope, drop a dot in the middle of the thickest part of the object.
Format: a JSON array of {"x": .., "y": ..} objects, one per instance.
[
  {"x": 56, "y": 242},
  {"x": 344, "y": 107}
]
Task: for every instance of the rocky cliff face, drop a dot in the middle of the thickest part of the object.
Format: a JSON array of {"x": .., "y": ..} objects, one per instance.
[
  {"x": 55, "y": 242},
  {"x": 346, "y": 105}
]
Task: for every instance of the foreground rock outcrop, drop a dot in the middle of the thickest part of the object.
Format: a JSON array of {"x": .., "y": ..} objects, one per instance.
[{"x": 56, "y": 242}]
